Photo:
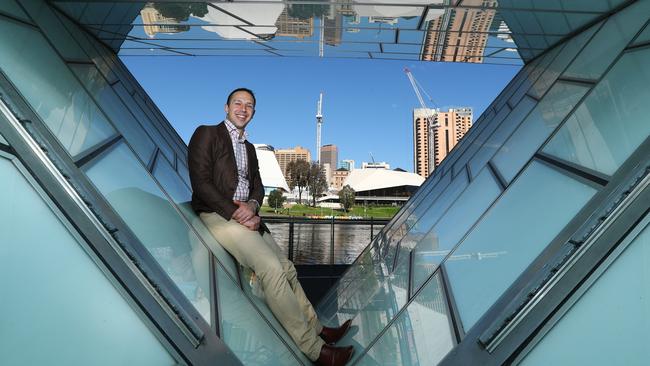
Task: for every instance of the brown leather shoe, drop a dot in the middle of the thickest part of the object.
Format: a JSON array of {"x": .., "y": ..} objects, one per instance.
[
  {"x": 334, "y": 356},
  {"x": 333, "y": 335}
]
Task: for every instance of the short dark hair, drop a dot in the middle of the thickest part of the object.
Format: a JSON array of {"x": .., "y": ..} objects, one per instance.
[{"x": 239, "y": 90}]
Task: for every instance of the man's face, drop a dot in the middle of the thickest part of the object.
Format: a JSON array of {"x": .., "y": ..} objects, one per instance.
[{"x": 241, "y": 109}]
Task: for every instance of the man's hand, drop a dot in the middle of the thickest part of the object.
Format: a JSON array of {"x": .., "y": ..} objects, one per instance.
[
  {"x": 253, "y": 223},
  {"x": 244, "y": 212}
]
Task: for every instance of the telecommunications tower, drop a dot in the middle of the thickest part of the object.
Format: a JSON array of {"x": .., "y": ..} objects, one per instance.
[{"x": 319, "y": 122}]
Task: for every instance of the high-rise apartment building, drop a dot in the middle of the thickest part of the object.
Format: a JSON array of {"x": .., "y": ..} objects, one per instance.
[
  {"x": 285, "y": 156},
  {"x": 421, "y": 117},
  {"x": 329, "y": 154},
  {"x": 435, "y": 133}
]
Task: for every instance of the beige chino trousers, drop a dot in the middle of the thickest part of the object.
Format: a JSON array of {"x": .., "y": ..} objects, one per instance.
[{"x": 278, "y": 277}]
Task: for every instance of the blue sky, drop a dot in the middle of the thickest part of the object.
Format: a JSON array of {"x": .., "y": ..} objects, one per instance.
[{"x": 367, "y": 104}]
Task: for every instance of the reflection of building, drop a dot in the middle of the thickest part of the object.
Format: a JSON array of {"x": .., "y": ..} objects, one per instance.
[
  {"x": 289, "y": 26},
  {"x": 333, "y": 29},
  {"x": 421, "y": 117},
  {"x": 285, "y": 156},
  {"x": 452, "y": 126},
  {"x": 155, "y": 23},
  {"x": 460, "y": 34},
  {"x": 329, "y": 154}
]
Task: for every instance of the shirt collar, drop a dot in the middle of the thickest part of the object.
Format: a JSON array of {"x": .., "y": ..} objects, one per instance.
[{"x": 234, "y": 132}]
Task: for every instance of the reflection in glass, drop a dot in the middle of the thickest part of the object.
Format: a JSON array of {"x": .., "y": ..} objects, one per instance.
[
  {"x": 511, "y": 235},
  {"x": 539, "y": 124},
  {"x": 58, "y": 307},
  {"x": 612, "y": 121},
  {"x": 644, "y": 36},
  {"x": 244, "y": 330},
  {"x": 555, "y": 68},
  {"x": 494, "y": 142},
  {"x": 609, "y": 41},
  {"x": 442, "y": 238},
  {"x": 182, "y": 196},
  {"x": 420, "y": 336},
  {"x": 51, "y": 89},
  {"x": 615, "y": 306},
  {"x": 145, "y": 209},
  {"x": 115, "y": 110},
  {"x": 10, "y": 7},
  {"x": 44, "y": 17},
  {"x": 146, "y": 123}
]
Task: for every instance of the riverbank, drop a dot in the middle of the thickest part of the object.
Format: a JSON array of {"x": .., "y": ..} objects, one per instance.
[{"x": 383, "y": 212}]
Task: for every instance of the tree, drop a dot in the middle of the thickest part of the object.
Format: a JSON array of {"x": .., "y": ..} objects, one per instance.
[
  {"x": 317, "y": 182},
  {"x": 346, "y": 197},
  {"x": 276, "y": 199},
  {"x": 297, "y": 173}
]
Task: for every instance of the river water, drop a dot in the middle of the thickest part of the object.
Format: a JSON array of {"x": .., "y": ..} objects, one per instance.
[{"x": 311, "y": 242}]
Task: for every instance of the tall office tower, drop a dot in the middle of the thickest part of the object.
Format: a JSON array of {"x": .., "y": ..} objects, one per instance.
[
  {"x": 347, "y": 164},
  {"x": 421, "y": 159},
  {"x": 451, "y": 127},
  {"x": 329, "y": 154},
  {"x": 460, "y": 34},
  {"x": 289, "y": 26},
  {"x": 155, "y": 23},
  {"x": 285, "y": 156}
]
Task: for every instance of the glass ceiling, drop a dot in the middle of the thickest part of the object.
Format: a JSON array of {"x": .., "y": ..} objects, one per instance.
[{"x": 509, "y": 32}]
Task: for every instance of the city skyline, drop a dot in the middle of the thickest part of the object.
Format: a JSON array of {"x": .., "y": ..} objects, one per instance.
[{"x": 365, "y": 115}]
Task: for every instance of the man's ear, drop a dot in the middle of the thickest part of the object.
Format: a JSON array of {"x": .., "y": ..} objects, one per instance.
[{"x": 225, "y": 108}]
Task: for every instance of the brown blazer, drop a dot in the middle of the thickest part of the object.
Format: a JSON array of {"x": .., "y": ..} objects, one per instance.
[{"x": 213, "y": 171}]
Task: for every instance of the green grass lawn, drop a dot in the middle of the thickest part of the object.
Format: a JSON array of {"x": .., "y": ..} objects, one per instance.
[{"x": 303, "y": 210}]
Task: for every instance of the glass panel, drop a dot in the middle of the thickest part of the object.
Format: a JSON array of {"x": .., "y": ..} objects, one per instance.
[
  {"x": 539, "y": 124},
  {"x": 502, "y": 132},
  {"x": 585, "y": 336},
  {"x": 51, "y": 89},
  {"x": 644, "y": 36},
  {"x": 420, "y": 336},
  {"x": 480, "y": 140},
  {"x": 145, "y": 209},
  {"x": 444, "y": 236},
  {"x": 3, "y": 141},
  {"x": 87, "y": 44},
  {"x": 418, "y": 228},
  {"x": 610, "y": 40},
  {"x": 57, "y": 307},
  {"x": 435, "y": 210},
  {"x": 558, "y": 65},
  {"x": 10, "y": 7},
  {"x": 144, "y": 121},
  {"x": 511, "y": 235},
  {"x": 372, "y": 307},
  {"x": 115, "y": 110},
  {"x": 244, "y": 330},
  {"x": 182, "y": 196},
  {"x": 44, "y": 17},
  {"x": 613, "y": 120}
]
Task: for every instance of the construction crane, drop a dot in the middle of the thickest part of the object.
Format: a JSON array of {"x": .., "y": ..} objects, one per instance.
[
  {"x": 417, "y": 87},
  {"x": 319, "y": 122}
]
